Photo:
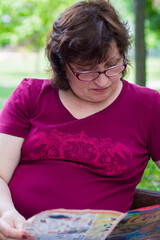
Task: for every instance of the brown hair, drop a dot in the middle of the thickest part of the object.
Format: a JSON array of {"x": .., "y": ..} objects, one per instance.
[{"x": 84, "y": 33}]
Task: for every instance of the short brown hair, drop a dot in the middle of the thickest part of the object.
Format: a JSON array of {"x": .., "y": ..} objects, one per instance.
[{"x": 83, "y": 33}]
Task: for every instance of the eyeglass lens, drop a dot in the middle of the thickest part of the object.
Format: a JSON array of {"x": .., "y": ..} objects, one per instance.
[{"x": 93, "y": 75}]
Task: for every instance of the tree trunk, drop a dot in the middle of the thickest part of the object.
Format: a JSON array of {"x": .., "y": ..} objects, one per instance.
[{"x": 140, "y": 47}]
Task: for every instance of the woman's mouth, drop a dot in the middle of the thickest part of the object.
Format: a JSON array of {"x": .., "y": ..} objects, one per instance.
[{"x": 100, "y": 90}]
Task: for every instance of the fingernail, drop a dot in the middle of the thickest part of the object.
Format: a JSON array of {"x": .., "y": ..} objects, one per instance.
[{"x": 24, "y": 236}]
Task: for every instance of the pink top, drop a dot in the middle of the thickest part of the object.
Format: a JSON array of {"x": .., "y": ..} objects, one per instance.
[{"x": 95, "y": 162}]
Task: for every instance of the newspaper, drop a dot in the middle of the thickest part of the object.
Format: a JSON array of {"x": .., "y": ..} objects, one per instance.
[
  {"x": 95, "y": 225},
  {"x": 141, "y": 224},
  {"x": 72, "y": 224}
]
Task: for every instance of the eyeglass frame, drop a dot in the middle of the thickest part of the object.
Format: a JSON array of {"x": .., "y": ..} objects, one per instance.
[{"x": 99, "y": 72}]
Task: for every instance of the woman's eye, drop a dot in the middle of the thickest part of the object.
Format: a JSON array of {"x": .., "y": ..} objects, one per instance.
[
  {"x": 109, "y": 66},
  {"x": 112, "y": 65}
]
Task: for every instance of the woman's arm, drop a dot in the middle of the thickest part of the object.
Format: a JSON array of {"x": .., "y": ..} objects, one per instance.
[{"x": 11, "y": 222}]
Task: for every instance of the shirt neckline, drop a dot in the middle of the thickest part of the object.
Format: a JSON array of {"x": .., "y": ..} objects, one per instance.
[{"x": 108, "y": 108}]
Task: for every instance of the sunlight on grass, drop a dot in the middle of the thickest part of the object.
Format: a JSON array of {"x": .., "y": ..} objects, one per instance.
[
  {"x": 16, "y": 66},
  {"x": 153, "y": 69}
]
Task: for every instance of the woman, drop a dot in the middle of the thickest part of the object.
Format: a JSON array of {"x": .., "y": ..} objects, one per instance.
[{"x": 83, "y": 139}]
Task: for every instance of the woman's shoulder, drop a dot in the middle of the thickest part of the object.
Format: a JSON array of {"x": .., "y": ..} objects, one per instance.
[
  {"x": 31, "y": 90},
  {"x": 34, "y": 86},
  {"x": 35, "y": 82},
  {"x": 140, "y": 92}
]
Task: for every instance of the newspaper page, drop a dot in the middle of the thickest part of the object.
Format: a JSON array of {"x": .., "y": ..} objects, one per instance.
[
  {"x": 138, "y": 224},
  {"x": 72, "y": 224}
]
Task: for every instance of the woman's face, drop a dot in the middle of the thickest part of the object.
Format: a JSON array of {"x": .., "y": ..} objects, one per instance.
[{"x": 101, "y": 89}]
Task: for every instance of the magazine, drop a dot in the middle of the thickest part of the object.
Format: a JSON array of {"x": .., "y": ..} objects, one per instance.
[{"x": 65, "y": 224}]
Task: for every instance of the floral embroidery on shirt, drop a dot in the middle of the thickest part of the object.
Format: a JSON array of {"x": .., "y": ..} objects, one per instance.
[{"x": 100, "y": 154}]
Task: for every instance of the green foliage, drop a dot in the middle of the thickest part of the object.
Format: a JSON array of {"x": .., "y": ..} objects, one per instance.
[
  {"x": 124, "y": 8},
  {"x": 151, "y": 179},
  {"x": 152, "y": 23},
  {"x": 28, "y": 21}
]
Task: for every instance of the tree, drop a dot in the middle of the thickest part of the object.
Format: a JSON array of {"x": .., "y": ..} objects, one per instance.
[
  {"x": 28, "y": 21},
  {"x": 146, "y": 17},
  {"x": 152, "y": 23},
  {"x": 140, "y": 46}
]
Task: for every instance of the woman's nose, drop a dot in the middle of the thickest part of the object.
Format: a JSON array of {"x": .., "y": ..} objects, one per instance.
[{"x": 101, "y": 80}]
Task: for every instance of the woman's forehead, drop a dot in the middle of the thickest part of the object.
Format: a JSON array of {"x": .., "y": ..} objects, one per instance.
[
  {"x": 111, "y": 55},
  {"x": 113, "y": 59}
]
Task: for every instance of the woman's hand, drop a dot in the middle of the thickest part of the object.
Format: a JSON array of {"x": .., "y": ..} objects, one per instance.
[
  {"x": 11, "y": 222},
  {"x": 11, "y": 226}
]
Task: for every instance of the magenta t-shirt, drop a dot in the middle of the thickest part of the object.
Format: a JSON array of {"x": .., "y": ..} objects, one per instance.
[{"x": 95, "y": 162}]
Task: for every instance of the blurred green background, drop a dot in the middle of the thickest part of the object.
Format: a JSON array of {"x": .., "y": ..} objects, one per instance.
[{"x": 24, "y": 25}]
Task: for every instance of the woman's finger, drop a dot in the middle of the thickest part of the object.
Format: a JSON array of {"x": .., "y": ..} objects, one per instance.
[{"x": 8, "y": 232}]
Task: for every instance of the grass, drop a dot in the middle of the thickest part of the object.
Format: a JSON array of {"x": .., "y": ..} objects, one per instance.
[
  {"x": 5, "y": 92},
  {"x": 16, "y": 66}
]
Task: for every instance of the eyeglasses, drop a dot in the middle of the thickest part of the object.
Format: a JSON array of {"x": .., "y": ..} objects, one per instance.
[{"x": 88, "y": 76}]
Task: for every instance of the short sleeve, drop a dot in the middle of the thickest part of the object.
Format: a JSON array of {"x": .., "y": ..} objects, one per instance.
[
  {"x": 16, "y": 113},
  {"x": 154, "y": 136}
]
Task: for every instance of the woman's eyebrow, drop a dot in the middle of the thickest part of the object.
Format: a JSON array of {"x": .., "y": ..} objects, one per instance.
[
  {"x": 85, "y": 67},
  {"x": 113, "y": 60},
  {"x": 85, "y": 64}
]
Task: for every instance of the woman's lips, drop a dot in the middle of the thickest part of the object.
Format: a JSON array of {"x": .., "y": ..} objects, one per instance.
[{"x": 100, "y": 90}]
